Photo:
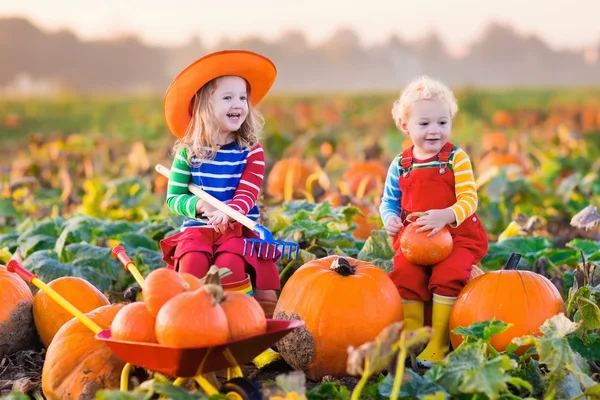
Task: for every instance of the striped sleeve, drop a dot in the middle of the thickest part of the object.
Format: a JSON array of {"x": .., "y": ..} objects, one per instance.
[
  {"x": 464, "y": 187},
  {"x": 179, "y": 199},
  {"x": 251, "y": 181},
  {"x": 390, "y": 201}
]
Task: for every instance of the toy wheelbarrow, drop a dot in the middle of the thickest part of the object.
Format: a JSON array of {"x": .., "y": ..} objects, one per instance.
[
  {"x": 182, "y": 363},
  {"x": 265, "y": 237}
]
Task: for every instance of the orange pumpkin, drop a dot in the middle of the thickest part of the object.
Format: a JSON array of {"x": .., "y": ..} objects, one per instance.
[
  {"x": 522, "y": 298},
  {"x": 343, "y": 302},
  {"x": 77, "y": 365},
  {"x": 365, "y": 177},
  {"x": 134, "y": 323},
  {"x": 17, "y": 330},
  {"x": 49, "y": 316},
  {"x": 292, "y": 172},
  {"x": 245, "y": 316},
  {"x": 193, "y": 282},
  {"x": 160, "y": 286},
  {"x": 501, "y": 159},
  {"x": 421, "y": 249},
  {"x": 193, "y": 319},
  {"x": 502, "y": 118},
  {"x": 494, "y": 141}
]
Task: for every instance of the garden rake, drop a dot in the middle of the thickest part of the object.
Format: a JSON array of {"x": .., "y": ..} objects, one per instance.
[{"x": 265, "y": 236}]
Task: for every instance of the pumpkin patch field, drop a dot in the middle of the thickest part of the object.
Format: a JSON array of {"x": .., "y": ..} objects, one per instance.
[{"x": 78, "y": 179}]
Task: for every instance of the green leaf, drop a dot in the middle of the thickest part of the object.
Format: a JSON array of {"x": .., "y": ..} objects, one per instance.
[
  {"x": 147, "y": 260},
  {"x": 97, "y": 258},
  {"x": 413, "y": 387},
  {"x": 482, "y": 330},
  {"x": 468, "y": 357},
  {"x": 329, "y": 391},
  {"x": 589, "y": 351},
  {"x": 135, "y": 240},
  {"x": 589, "y": 247},
  {"x": 10, "y": 240},
  {"x": 45, "y": 264},
  {"x": 530, "y": 372},
  {"x": 156, "y": 230},
  {"x": 7, "y": 209},
  {"x": 378, "y": 249},
  {"x": 491, "y": 378},
  {"x": 75, "y": 230},
  {"x": 29, "y": 244}
]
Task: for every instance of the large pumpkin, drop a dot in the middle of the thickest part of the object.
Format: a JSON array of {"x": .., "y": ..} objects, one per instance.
[
  {"x": 77, "y": 365},
  {"x": 501, "y": 159},
  {"x": 17, "y": 330},
  {"x": 421, "y": 249},
  {"x": 49, "y": 316},
  {"x": 364, "y": 177},
  {"x": 522, "y": 298},
  {"x": 343, "y": 302}
]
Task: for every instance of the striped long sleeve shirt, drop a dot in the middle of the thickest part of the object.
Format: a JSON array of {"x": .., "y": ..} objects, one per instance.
[
  {"x": 234, "y": 176},
  {"x": 464, "y": 187}
]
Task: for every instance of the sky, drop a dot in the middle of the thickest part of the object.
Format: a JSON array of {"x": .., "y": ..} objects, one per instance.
[{"x": 560, "y": 23}]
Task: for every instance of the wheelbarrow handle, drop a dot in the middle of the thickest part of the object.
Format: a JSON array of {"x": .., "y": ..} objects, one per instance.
[
  {"x": 216, "y": 203},
  {"x": 119, "y": 253},
  {"x": 14, "y": 266}
]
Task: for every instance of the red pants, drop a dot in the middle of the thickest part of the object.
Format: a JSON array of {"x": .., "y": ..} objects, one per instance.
[
  {"x": 198, "y": 263},
  {"x": 447, "y": 278}
]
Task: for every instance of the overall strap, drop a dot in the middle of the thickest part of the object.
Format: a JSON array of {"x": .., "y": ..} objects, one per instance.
[
  {"x": 406, "y": 161},
  {"x": 444, "y": 156}
]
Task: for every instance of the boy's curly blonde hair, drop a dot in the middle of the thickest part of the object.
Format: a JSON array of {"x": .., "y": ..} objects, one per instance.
[
  {"x": 422, "y": 88},
  {"x": 201, "y": 135}
]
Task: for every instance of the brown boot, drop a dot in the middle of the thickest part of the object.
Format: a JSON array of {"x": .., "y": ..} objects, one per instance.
[{"x": 267, "y": 300}]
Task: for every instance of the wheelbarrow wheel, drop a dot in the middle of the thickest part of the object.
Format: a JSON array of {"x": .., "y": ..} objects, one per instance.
[{"x": 245, "y": 388}]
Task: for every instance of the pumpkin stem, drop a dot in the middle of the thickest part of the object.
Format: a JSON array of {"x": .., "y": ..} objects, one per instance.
[
  {"x": 415, "y": 214},
  {"x": 212, "y": 276},
  {"x": 513, "y": 262},
  {"x": 216, "y": 292},
  {"x": 343, "y": 267}
]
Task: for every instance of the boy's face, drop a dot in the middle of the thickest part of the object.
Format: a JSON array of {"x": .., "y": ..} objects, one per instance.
[
  {"x": 428, "y": 125},
  {"x": 230, "y": 103}
]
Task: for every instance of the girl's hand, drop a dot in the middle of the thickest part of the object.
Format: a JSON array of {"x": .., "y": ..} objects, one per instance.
[
  {"x": 203, "y": 207},
  {"x": 435, "y": 220},
  {"x": 219, "y": 220},
  {"x": 393, "y": 226}
]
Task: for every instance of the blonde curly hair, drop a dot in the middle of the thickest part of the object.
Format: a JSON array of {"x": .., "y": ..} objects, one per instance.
[
  {"x": 422, "y": 88},
  {"x": 201, "y": 135}
]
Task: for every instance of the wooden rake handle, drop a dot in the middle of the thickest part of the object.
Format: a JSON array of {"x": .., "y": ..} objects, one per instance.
[{"x": 216, "y": 203}]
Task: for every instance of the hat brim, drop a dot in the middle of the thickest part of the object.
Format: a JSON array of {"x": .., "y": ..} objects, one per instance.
[{"x": 258, "y": 70}]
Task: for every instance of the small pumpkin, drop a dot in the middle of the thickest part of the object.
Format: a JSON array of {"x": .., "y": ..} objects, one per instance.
[
  {"x": 134, "y": 323},
  {"x": 421, "y": 249},
  {"x": 17, "y": 330},
  {"x": 161, "y": 285},
  {"x": 77, "y": 365},
  {"x": 192, "y": 281},
  {"x": 245, "y": 316},
  {"x": 193, "y": 319},
  {"x": 501, "y": 159},
  {"x": 522, "y": 298},
  {"x": 49, "y": 316},
  {"x": 364, "y": 177},
  {"x": 343, "y": 302}
]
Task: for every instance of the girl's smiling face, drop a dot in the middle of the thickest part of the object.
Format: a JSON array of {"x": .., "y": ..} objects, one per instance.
[
  {"x": 230, "y": 104},
  {"x": 428, "y": 125}
]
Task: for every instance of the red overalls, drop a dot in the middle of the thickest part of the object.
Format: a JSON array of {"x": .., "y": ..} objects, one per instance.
[{"x": 424, "y": 189}]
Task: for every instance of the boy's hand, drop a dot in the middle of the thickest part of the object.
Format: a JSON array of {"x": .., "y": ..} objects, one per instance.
[
  {"x": 393, "y": 226},
  {"x": 435, "y": 220},
  {"x": 219, "y": 220}
]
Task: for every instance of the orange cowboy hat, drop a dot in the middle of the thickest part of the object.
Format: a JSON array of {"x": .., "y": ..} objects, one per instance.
[{"x": 257, "y": 70}]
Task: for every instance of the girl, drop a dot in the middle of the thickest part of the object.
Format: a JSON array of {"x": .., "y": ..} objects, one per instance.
[
  {"x": 432, "y": 176},
  {"x": 209, "y": 108}
]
